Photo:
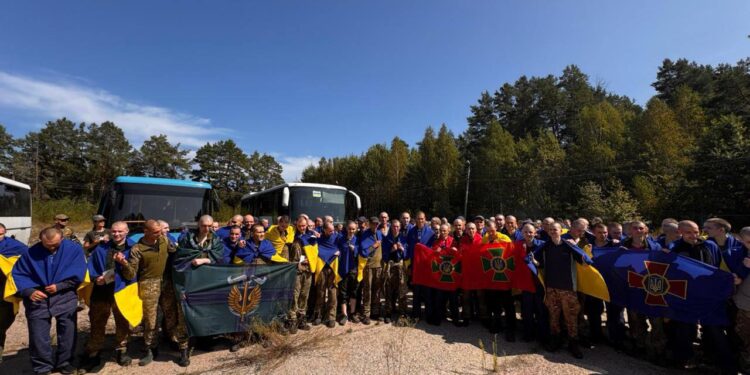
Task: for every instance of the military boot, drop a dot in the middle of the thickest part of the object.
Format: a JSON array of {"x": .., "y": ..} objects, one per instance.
[
  {"x": 184, "y": 360},
  {"x": 122, "y": 357},
  {"x": 147, "y": 358}
]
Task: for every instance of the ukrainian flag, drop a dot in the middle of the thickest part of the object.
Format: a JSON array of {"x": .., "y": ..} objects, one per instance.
[
  {"x": 273, "y": 234},
  {"x": 126, "y": 291}
]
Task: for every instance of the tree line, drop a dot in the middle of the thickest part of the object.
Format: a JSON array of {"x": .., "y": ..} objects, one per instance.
[
  {"x": 562, "y": 146},
  {"x": 79, "y": 161}
]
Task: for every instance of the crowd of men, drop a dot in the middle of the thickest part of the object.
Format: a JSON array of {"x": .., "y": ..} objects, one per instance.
[{"x": 367, "y": 279}]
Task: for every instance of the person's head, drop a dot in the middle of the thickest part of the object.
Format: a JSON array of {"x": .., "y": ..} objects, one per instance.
[
  {"x": 555, "y": 231},
  {"x": 689, "y": 231},
  {"x": 667, "y": 221},
  {"x": 435, "y": 223},
  {"x": 311, "y": 224},
  {"x": 264, "y": 223},
  {"x": 248, "y": 221},
  {"x": 405, "y": 218},
  {"x": 600, "y": 232},
  {"x": 61, "y": 220},
  {"x": 567, "y": 223},
  {"x": 510, "y": 224},
  {"x": 236, "y": 220},
  {"x": 444, "y": 230},
  {"x": 471, "y": 229},
  {"x": 421, "y": 219},
  {"x": 215, "y": 226},
  {"x": 670, "y": 231},
  {"x": 638, "y": 230},
  {"x": 458, "y": 225},
  {"x": 328, "y": 219},
  {"x": 362, "y": 223},
  {"x": 374, "y": 223},
  {"x": 615, "y": 230},
  {"x": 351, "y": 229},
  {"x": 301, "y": 224},
  {"x": 98, "y": 221},
  {"x": 259, "y": 233},
  {"x": 318, "y": 221},
  {"x": 500, "y": 220},
  {"x": 235, "y": 232},
  {"x": 547, "y": 222},
  {"x": 529, "y": 232},
  {"x": 205, "y": 225},
  {"x": 119, "y": 231},
  {"x": 717, "y": 227},
  {"x": 51, "y": 238},
  {"x": 151, "y": 230},
  {"x": 491, "y": 227},
  {"x": 283, "y": 222},
  {"x": 328, "y": 229},
  {"x": 578, "y": 228},
  {"x": 479, "y": 222},
  {"x": 395, "y": 226},
  {"x": 164, "y": 227},
  {"x": 383, "y": 218},
  {"x": 2, "y": 231},
  {"x": 745, "y": 237}
]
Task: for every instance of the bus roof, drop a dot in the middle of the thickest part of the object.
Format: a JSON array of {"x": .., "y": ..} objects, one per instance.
[
  {"x": 161, "y": 181},
  {"x": 14, "y": 183},
  {"x": 295, "y": 184}
]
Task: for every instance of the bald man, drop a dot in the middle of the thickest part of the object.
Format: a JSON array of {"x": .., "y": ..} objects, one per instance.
[{"x": 223, "y": 232}]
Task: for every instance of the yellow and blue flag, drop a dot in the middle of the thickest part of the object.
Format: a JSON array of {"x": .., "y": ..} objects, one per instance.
[
  {"x": 126, "y": 291},
  {"x": 10, "y": 250}
]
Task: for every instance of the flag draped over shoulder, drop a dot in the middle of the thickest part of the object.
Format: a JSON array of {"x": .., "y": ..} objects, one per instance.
[
  {"x": 126, "y": 295},
  {"x": 667, "y": 285},
  {"x": 35, "y": 270},
  {"x": 327, "y": 249},
  {"x": 219, "y": 299},
  {"x": 437, "y": 269},
  {"x": 278, "y": 240},
  {"x": 10, "y": 250}
]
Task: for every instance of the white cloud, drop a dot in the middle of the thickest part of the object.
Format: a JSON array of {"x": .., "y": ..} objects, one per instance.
[
  {"x": 51, "y": 100},
  {"x": 294, "y": 165}
]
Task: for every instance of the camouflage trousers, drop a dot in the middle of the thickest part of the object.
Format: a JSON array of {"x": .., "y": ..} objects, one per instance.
[
  {"x": 394, "y": 287},
  {"x": 325, "y": 301},
  {"x": 742, "y": 328},
  {"x": 653, "y": 342},
  {"x": 153, "y": 296},
  {"x": 298, "y": 307},
  {"x": 372, "y": 283},
  {"x": 565, "y": 302},
  {"x": 102, "y": 304}
]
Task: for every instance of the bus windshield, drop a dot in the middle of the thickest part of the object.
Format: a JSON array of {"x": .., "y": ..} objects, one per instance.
[
  {"x": 316, "y": 202},
  {"x": 176, "y": 205}
]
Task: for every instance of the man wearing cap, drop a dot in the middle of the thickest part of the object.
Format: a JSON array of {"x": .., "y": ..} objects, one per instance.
[
  {"x": 479, "y": 221},
  {"x": 362, "y": 223},
  {"x": 61, "y": 223},
  {"x": 369, "y": 244},
  {"x": 97, "y": 235}
]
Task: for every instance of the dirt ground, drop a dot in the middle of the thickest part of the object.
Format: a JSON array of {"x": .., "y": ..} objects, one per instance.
[{"x": 354, "y": 348}]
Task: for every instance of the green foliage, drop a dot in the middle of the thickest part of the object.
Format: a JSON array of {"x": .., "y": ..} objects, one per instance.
[
  {"x": 159, "y": 158},
  {"x": 80, "y": 211}
]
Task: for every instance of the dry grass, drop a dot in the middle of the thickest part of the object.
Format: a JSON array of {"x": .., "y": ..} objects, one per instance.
[{"x": 274, "y": 348}]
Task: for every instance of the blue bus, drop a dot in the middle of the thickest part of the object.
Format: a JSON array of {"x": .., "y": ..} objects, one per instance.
[
  {"x": 137, "y": 199},
  {"x": 295, "y": 198}
]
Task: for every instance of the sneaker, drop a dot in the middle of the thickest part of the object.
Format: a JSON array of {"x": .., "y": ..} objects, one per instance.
[
  {"x": 343, "y": 320},
  {"x": 366, "y": 321},
  {"x": 331, "y": 323}
]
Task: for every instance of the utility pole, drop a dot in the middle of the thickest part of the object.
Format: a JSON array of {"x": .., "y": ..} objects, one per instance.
[{"x": 466, "y": 197}]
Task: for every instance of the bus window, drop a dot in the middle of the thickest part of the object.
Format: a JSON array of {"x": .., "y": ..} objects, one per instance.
[
  {"x": 14, "y": 201},
  {"x": 318, "y": 202}
]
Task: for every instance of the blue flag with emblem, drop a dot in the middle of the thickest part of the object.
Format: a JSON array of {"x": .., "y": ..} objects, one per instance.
[
  {"x": 219, "y": 299},
  {"x": 666, "y": 285}
]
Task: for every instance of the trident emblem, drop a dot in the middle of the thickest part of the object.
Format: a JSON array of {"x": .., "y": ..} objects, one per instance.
[{"x": 244, "y": 302}]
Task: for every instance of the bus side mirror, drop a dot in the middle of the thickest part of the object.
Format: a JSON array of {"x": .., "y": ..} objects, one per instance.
[{"x": 285, "y": 197}]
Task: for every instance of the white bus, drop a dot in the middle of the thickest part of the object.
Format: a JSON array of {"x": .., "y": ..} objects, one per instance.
[
  {"x": 298, "y": 197},
  {"x": 15, "y": 209}
]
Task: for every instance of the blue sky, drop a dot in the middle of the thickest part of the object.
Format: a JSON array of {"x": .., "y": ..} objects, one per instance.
[{"x": 301, "y": 80}]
